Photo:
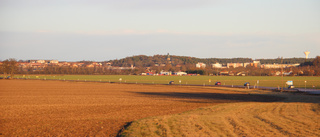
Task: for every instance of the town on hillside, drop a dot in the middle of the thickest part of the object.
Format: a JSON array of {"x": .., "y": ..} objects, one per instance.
[{"x": 172, "y": 65}]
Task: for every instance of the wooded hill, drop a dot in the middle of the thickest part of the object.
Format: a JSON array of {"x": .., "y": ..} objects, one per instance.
[
  {"x": 149, "y": 61},
  {"x": 158, "y": 63}
]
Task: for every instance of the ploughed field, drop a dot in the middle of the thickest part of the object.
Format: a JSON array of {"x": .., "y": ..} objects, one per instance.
[
  {"x": 57, "y": 108},
  {"x": 235, "y": 119}
]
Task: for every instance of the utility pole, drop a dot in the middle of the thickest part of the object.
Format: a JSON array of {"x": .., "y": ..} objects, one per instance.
[{"x": 281, "y": 72}]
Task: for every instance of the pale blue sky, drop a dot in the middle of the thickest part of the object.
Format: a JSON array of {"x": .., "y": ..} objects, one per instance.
[{"x": 100, "y": 30}]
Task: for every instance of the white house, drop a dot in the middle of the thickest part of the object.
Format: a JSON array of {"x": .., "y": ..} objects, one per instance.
[
  {"x": 217, "y": 65},
  {"x": 200, "y": 65}
]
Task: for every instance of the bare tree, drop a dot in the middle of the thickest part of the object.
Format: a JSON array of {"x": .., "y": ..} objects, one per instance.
[{"x": 9, "y": 67}]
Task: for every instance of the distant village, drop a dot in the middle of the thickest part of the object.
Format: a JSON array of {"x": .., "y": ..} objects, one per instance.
[
  {"x": 38, "y": 65},
  {"x": 45, "y": 63},
  {"x": 165, "y": 65}
]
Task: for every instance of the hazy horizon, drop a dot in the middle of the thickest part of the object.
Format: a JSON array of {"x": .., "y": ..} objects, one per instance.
[{"x": 76, "y": 30}]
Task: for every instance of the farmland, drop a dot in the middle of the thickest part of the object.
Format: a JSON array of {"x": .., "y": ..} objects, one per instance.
[
  {"x": 58, "y": 108},
  {"x": 236, "y": 119},
  {"x": 266, "y": 81}
]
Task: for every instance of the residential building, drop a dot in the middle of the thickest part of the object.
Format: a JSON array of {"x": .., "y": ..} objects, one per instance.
[
  {"x": 53, "y": 61},
  {"x": 216, "y": 65},
  {"x": 200, "y": 65},
  {"x": 40, "y": 61},
  {"x": 272, "y": 66},
  {"x": 165, "y": 73},
  {"x": 234, "y": 65},
  {"x": 255, "y": 63}
]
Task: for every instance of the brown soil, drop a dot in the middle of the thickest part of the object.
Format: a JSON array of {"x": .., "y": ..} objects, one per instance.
[{"x": 55, "y": 108}]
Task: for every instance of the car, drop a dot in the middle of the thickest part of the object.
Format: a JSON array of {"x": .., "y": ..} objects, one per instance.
[
  {"x": 291, "y": 87},
  {"x": 247, "y": 84},
  {"x": 217, "y": 83}
]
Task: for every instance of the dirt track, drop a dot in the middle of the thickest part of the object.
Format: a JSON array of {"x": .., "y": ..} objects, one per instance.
[{"x": 55, "y": 108}]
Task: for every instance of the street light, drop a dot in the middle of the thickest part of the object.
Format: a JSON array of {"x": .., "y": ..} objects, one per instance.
[{"x": 305, "y": 85}]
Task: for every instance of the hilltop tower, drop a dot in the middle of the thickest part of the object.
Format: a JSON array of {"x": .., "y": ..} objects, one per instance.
[
  {"x": 307, "y": 53},
  {"x": 168, "y": 59}
]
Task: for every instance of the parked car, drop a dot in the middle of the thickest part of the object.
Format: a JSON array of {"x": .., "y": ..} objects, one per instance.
[
  {"x": 247, "y": 84},
  {"x": 291, "y": 87},
  {"x": 217, "y": 83}
]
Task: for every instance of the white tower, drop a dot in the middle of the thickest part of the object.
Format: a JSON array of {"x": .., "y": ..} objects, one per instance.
[{"x": 307, "y": 53}]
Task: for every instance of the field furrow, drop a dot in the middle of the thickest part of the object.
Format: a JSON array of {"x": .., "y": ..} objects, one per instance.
[{"x": 245, "y": 119}]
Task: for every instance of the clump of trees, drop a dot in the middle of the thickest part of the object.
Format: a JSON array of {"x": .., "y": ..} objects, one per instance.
[
  {"x": 316, "y": 66},
  {"x": 200, "y": 72},
  {"x": 9, "y": 67}
]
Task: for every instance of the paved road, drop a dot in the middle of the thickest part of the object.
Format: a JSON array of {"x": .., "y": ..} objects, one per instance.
[{"x": 309, "y": 91}]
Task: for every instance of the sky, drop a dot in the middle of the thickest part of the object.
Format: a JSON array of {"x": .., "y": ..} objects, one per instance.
[{"x": 102, "y": 30}]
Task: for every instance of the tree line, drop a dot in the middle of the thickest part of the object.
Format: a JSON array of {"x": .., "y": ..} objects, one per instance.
[{"x": 147, "y": 61}]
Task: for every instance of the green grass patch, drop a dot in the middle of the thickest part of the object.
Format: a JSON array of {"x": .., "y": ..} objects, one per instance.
[{"x": 266, "y": 81}]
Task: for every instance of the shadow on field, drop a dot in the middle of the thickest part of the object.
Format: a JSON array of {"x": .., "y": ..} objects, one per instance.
[{"x": 215, "y": 97}]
